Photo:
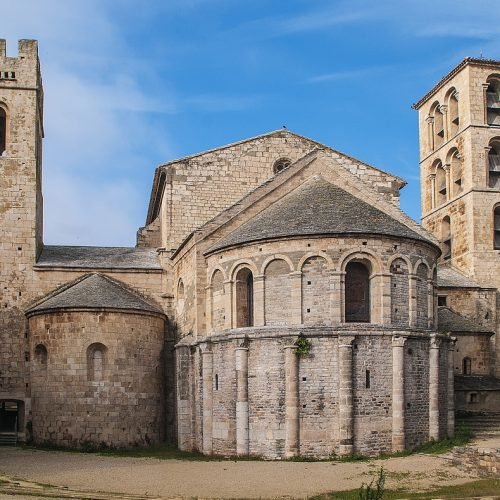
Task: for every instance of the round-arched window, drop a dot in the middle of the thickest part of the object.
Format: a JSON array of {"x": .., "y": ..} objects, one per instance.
[{"x": 281, "y": 164}]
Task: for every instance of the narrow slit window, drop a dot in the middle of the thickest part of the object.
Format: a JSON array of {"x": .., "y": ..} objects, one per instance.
[
  {"x": 3, "y": 131},
  {"x": 367, "y": 379}
]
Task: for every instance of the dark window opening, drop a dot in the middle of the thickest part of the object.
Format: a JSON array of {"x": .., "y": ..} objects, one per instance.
[
  {"x": 244, "y": 298},
  {"x": 473, "y": 397},
  {"x": 442, "y": 300},
  {"x": 3, "y": 130},
  {"x": 216, "y": 382},
  {"x": 496, "y": 228},
  {"x": 466, "y": 366},
  {"x": 446, "y": 237},
  {"x": 494, "y": 166},
  {"x": 281, "y": 164},
  {"x": 493, "y": 103},
  {"x": 357, "y": 293},
  {"x": 367, "y": 379}
]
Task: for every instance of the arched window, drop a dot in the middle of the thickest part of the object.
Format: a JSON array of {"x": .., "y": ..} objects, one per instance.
[
  {"x": 438, "y": 125},
  {"x": 244, "y": 298},
  {"x": 453, "y": 112},
  {"x": 422, "y": 296},
  {"x": 455, "y": 172},
  {"x": 466, "y": 366},
  {"x": 281, "y": 164},
  {"x": 3, "y": 130},
  {"x": 441, "y": 189},
  {"x": 493, "y": 101},
  {"x": 357, "y": 293},
  {"x": 494, "y": 164},
  {"x": 446, "y": 237},
  {"x": 41, "y": 356},
  {"x": 96, "y": 362},
  {"x": 496, "y": 228}
]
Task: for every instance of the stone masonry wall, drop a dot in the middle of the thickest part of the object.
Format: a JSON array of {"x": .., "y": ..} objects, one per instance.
[
  {"x": 199, "y": 187},
  {"x": 122, "y": 407}
]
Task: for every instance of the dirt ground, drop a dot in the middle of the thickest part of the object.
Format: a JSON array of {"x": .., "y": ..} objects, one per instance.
[{"x": 83, "y": 475}]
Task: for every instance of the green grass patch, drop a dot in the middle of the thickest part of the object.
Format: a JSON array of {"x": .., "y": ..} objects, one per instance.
[
  {"x": 482, "y": 487},
  {"x": 462, "y": 436}
]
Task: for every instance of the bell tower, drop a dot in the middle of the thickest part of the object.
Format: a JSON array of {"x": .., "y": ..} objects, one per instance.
[
  {"x": 459, "y": 125},
  {"x": 21, "y": 132}
]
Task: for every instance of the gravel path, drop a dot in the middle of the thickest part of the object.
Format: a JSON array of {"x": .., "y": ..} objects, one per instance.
[{"x": 218, "y": 479}]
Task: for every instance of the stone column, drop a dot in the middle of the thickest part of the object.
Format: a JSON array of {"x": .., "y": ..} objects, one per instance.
[
  {"x": 434, "y": 387},
  {"x": 430, "y": 133},
  {"x": 398, "y": 393},
  {"x": 296, "y": 297},
  {"x": 228, "y": 304},
  {"x": 292, "y": 425},
  {"x": 451, "y": 387},
  {"x": 242, "y": 425},
  {"x": 444, "y": 110},
  {"x": 207, "y": 374},
  {"x": 412, "y": 283},
  {"x": 447, "y": 169},
  {"x": 258, "y": 300},
  {"x": 184, "y": 429},
  {"x": 346, "y": 417},
  {"x": 432, "y": 178}
]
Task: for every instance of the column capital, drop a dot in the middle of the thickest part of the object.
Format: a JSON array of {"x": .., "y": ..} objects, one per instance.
[
  {"x": 206, "y": 349},
  {"x": 485, "y": 86},
  {"x": 443, "y": 108},
  {"x": 259, "y": 277},
  {"x": 346, "y": 341},
  {"x": 429, "y": 119},
  {"x": 398, "y": 341},
  {"x": 432, "y": 176},
  {"x": 295, "y": 274},
  {"x": 435, "y": 341},
  {"x": 446, "y": 167},
  {"x": 451, "y": 344}
]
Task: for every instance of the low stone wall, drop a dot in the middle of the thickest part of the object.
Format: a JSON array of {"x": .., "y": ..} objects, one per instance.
[{"x": 478, "y": 460}]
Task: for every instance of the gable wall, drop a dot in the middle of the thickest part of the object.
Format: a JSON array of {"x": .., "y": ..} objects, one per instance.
[{"x": 199, "y": 188}]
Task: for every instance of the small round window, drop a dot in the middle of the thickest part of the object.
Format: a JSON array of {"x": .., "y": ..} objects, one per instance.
[{"x": 281, "y": 164}]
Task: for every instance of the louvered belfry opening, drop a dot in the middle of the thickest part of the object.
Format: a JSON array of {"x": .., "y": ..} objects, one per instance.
[{"x": 357, "y": 293}]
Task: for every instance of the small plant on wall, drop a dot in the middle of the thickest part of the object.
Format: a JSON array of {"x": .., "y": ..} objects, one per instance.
[{"x": 303, "y": 346}]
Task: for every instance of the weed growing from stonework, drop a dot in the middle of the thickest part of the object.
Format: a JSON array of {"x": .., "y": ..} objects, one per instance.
[{"x": 303, "y": 346}]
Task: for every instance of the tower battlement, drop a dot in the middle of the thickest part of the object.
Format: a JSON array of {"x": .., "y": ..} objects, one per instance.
[{"x": 23, "y": 70}]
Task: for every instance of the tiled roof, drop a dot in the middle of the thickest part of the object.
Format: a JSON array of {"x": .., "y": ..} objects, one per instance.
[
  {"x": 95, "y": 291},
  {"x": 476, "y": 383},
  {"x": 448, "y": 277},
  {"x": 99, "y": 257},
  {"x": 317, "y": 208},
  {"x": 450, "y": 321}
]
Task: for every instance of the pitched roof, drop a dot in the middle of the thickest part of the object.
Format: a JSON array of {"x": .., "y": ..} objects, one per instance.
[
  {"x": 94, "y": 291},
  {"x": 317, "y": 207},
  {"x": 98, "y": 257},
  {"x": 450, "y": 321},
  {"x": 449, "y": 277}
]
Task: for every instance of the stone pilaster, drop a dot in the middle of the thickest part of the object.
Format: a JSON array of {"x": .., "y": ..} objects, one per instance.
[
  {"x": 336, "y": 297},
  {"x": 242, "y": 425},
  {"x": 184, "y": 429},
  {"x": 451, "y": 388},
  {"x": 296, "y": 297},
  {"x": 292, "y": 423},
  {"x": 208, "y": 309},
  {"x": 228, "y": 304},
  {"x": 434, "y": 387},
  {"x": 386, "y": 305},
  {"x": 207, "y": 374},
  {"x": 430, "y": 304},
  {"x": 398, "y": 393},
  {"x": 346, "y": 416},
  {"x": 258, "y": 300},
  {"x": 412, "y": 283}
]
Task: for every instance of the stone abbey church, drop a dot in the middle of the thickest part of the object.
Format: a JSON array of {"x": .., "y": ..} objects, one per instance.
[{"x": 278, "y": 302}]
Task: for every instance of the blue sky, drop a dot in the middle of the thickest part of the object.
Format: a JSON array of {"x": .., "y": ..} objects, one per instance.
[{"x": 132, "y": 84}]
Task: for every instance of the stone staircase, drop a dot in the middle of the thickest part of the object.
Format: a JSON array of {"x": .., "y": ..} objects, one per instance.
[
  {"x": 8, "y": 438},
  {"x": 482, "y": 425}
]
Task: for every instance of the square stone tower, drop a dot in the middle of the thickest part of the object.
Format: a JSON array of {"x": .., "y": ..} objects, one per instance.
[
  {"x": 21, "y": 132},
  {"x": 459, "y": 124}
]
